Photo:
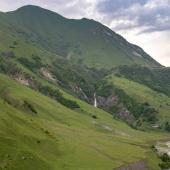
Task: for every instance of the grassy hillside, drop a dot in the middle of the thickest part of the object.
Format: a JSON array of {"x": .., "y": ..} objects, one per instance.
[
  {"x": 86, "y": 41},
  {"x": 80, "y": 81},
  {"x": 56, "y": 137},
  {"x": 32, "y": 59},
  {"x": 46, "y": 68},
  {"x": 142, "y": 94},
  {"x": 157, "y": 79}
]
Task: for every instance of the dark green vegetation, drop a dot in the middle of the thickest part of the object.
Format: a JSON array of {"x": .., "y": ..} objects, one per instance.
[
  {"x": 156, "y": 78},
  {"x": 30, "y": 107},
  {"x": 165, "y": 164},
  {"x": 154, "y": 105},
  {"x": 50, "y": 70},
  {"x": 167, "y": 126}
]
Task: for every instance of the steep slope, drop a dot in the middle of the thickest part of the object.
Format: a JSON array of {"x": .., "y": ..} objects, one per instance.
[
  {"x": 56, "y": 137},
  {"x": 158, "y": 79},
  {"x": 143, "y": 94},
  {"x": 86, "y": 41},
  {"x": 32, "y": 65}
]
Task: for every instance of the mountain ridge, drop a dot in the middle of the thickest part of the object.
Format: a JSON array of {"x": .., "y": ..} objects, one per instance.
[{"x": 86, "y": 40}]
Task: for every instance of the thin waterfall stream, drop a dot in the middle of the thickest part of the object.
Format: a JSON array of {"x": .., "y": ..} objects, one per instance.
[{"x": 95, "y": 100}]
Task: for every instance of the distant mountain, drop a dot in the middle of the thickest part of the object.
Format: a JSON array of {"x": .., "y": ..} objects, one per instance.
[{"x": 82, "y": 41}]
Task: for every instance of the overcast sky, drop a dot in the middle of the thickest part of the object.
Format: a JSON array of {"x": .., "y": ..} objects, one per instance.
[{"x": 142, "y": 22}]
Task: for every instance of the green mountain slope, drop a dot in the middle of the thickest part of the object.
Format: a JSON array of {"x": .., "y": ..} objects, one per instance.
[
  {"x": 56, "y": 137},
  {"x": 158, "y": 79},
  {"x": 51, "y": 68},
  {"x": 24, "y": 39},
  {"x": 86, "y": 41},
  {"x": 143, "y": 94}
]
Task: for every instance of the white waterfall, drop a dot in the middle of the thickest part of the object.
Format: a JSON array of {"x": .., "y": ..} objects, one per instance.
[{"x": 95, "y": 100}]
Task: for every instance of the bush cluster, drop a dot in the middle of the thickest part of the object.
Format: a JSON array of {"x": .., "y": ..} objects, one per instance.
[
  {"x": 57, "y": 95},
  {"x": 165, "y": 164},
  {"x": 29, "y": 106}
]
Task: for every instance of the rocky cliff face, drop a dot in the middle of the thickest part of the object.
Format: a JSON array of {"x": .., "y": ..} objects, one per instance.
[
  {"x": 107, "y": 101},
  {"x": 111, "y": 102}
]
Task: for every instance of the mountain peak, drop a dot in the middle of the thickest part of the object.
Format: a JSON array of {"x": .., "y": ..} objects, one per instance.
[
  {"x": 26, "y": 7},
  {"x": 64, "y": 36},
  {"x": 34, "y": 10}
]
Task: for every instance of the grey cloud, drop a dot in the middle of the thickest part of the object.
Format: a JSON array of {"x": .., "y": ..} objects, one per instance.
[
  {"x": 68, "y": 8},
  {"x": 149, "y": 14},
  {"x": 115, "y": 5}
]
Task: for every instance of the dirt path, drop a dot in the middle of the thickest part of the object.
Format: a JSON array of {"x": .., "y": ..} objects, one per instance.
[{"x": 140, "y": 165}]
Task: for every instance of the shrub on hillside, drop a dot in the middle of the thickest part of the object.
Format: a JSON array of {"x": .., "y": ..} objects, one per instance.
[
  {"x": 148, "y": 112},
  {"x": 57, "y": 95},
  {"x": 167, "y": 126},
  {"x": 33, "y": 64},
  {"x": 29, "y": 106},
  {"x": 165, "y": 164},
  {"x": 4, "y": 66},
  {"x": 8, "y": 54}
]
